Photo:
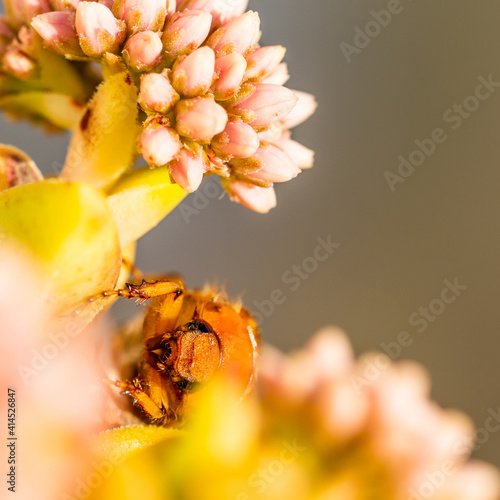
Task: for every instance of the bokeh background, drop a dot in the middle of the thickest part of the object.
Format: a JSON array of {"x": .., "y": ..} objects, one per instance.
[{"x": 396, "y": 248}]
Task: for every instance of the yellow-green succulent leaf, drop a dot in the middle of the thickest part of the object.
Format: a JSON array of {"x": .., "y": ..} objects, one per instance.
[
  {"x": 128, "y": 257},
  {"x": 103, "y": 146},
  {"x": 59, "y": 75},
  {"x": 125, "y": 440},
  {"x": 16, "y": 168},
  {"x": 141, "y": 199},
  {"x": 69, "y": 230},
  {"x": 60, "y": 110}
]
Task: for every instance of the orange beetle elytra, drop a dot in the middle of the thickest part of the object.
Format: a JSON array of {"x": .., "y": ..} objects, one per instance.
[{"x": 187, "y": 337}]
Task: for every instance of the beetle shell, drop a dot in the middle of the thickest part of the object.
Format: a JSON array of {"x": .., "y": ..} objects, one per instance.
[{"x": 188, "y": 337}]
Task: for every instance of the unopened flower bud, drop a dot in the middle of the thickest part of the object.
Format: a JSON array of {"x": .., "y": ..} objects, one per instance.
[
  {"x": 98, "y": 30},
  {"x": 186, "y": 31},
  {"x": 253, "y": 197},
  {"x": 159, "y": 144},
  {"x": 156, "y": 93},
  {"x": 237, "y": 35},
  {"x": 58, "y": 32},
  {"x": 5, "y": 31},
  {"x": 64, "y": 4},
  {"x": 33, "y": 8},
  {"x": 263, "y": 61},
  {"x": 238, "y": 140},
  {"x": 267, "y": 104},
  {"x": 279, "y": 76},
  {"x": 14, "y": 9},
  {"x": 221, "y": 10},
  {"x": 268, "y": 164},
  {"x": 304, "y": 108},
  {"x": 194, "y": 75},
  {"x": 230, "y": 70},
  {"x": 18, "y": 63},
  {"x": 200, "y": 118},
  {"x": 188, "y": 169},
  {"x": 142, "y": 51},
  {"x": 302, "y": 157},
  {"x": 141, "y": 15}
]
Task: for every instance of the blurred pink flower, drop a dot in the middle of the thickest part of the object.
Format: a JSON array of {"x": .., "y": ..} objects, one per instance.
[
  {"x": 347, "y": 404},
  {"x": 56, "y": 379}
]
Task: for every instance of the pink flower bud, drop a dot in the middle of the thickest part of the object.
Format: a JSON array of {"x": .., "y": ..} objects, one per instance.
[
  {"x": 237, "y": 35},
  {"x": 15, "y": 12},
  {"x": 142, "y": 51},
  {"x": 271, "y": 133},
  {"x": 273, "y": 165},
  {"x": 141, "y": 15},
  {"x": 230, "y": 70},
  {"x": 267, "y": 104},
  {"x": 17, "y": 63},
  {"x": 107, "y": 3},
  {"x": 238, "y": 139},
  {"x": 279, "y": 76},
  {"x": 186, "y": 31},
  {"x": 58, "y": 32},
  {"x": 64, "y": 4},
  {"x": 221, "y": 10},
  {"x": 171, "y": 7},
  {"x": 253, "y": 197},
  {"x": 304, "y": 108},
  {"x": 5, "y": 31},
  {"x": 157, "y": 94},
  {"x": 232, "y": 8},
  {"x": 194, "y": 75},
  {"x": 188, "y": 169},
  {"x": 208, "y": 5},
  {"x": 98, "y": 30},
  {"x": 263, "y": 61},
  {"x": 200, "y": 118},
  {"x": 302, "y": 157},
  {"x": 33, "y": 8},
  {"x": 159, "y": 145}
]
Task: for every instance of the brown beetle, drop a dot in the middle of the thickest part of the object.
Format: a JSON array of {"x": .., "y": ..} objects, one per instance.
[{"x": 187, "y": 337}]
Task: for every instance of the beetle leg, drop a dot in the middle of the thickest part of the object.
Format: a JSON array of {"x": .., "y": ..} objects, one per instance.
[
  {"x": 153, "y": 360},
  {"x": 142, "y": 292},
  {"x": 140, "y": 399}
]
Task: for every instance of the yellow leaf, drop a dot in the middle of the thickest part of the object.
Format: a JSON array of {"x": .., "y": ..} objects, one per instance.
[
  {"x": 141, "y": 199},
  {"x": 103, "y": 146},
  {"x": 125, "y": 440},
  {"x": 60, "y": 110},
  {"x": 69, "y": 230}
]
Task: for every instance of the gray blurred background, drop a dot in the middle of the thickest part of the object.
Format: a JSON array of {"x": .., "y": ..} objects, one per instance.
[{"x": 396, "y": 248}]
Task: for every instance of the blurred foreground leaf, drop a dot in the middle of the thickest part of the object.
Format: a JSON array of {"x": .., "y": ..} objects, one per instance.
[{"x": 69, "y": 230}]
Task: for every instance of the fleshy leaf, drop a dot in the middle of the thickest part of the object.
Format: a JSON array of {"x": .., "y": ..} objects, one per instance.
[
  {"x": 103, "y": 146},
  {"x": 125, "y": 440},
  {"x": 141, "y": 199},
  {"x": 55, "y": 94},
  {"x": 62, "y": 76},
  {"x": 69, "y": 230},
  {"x": 16, "y": 168},
  {"x": 58, "y": 109}
]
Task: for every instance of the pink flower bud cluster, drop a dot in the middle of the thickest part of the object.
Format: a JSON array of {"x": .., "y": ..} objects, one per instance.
[
  {"x": 213, "y": 100},
  {"x": 376, "y": 415}
]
